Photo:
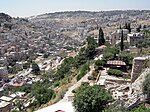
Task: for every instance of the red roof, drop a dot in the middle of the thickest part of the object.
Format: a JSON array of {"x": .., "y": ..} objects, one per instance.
[
  {"x": 59, "y": 111},
  {"x": 101, "y": 47},
  {"x": 18, "y": 84}
]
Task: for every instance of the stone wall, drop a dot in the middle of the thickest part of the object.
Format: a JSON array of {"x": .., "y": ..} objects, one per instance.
[{"x": 138, "y": 65}]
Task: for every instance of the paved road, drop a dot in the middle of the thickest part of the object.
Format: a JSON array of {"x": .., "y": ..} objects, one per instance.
[
  {"x": 64, "y": 106},
  {"x": 102, "y": 77}
]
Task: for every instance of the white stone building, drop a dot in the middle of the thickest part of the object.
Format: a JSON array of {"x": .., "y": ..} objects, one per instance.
[{"x": 134, "y": 38}]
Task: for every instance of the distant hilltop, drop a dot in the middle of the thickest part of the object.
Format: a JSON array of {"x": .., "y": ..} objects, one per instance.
[
  {"x": 87, "y": 13},
  {"x": 93, "y": 13},
  {"x": 4, "y": 17}
]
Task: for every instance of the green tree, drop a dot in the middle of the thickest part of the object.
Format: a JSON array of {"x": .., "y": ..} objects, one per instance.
[
  {"x": 65, "y": 68},
  {"x": 26, "y": 89},
  {"x": 90, "y": 50},
  {"x": 140, "y": 108},
  {"x": 35, "y": 68},
  {"x": 121, "y": 45},
  {"x": 128, "y": 26},
  {"x": 83, "y": 71},
  {"x": 120, "y": 27},
  {"x": 108, "y": 56},
  {"x": 115, "y": 72},
  {"x": 81, "y": 57},
  {"x": 99, "y": 63},
  {"x": 126, "y": 57},
  {"x": 41, "y": 93},
  {"x": 101, "y": 40},
  {"x": 20, "y": 106},
  {"x": 138, "y": 29},
  {"x": 146, "y": 86},
  {"x": 139, "y": 45},
  {"x": 91, "y": 99},
  {"x": 113, "y": 50}
]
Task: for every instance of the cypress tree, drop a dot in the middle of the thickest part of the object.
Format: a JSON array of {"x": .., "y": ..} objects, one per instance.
[
  {"x": 120, "y": 27},
  {"x": 126, "y": 26},
  {"x": 101, "y": 40},
  {"x": 138, "y": 29},
  {"x": 121, "y": 44},
  {"x": 129, "y": 27}
]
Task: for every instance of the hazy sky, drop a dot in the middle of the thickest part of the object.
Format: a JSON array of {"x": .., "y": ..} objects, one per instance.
[{"x": 25, "y": 8}]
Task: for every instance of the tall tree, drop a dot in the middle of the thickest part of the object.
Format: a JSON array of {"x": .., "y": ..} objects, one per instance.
[
  {"x": 35, "y": 68},
  {"x": 121, "y": 44},
  {"x": 138, "y": 29},
  {"x": 129, "y": 27},
  {"x": 101, "y": 40},
  {"x": 90, "y": 50},
  {"x": 126, "y": 26},
  {"x": 120, "y": 27},
  {"x": 41, "y": 93}
]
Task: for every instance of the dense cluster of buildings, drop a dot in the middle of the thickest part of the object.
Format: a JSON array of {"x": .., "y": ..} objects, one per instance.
[
  {"x": 24, "y": 39},
  {"x": 7, "y": 102}
]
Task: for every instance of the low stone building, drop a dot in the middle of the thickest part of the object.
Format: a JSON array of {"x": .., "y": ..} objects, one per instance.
[
  {"x": 116, "y": 36},
  {"x": 5, "y": 106},
  {"x": 119, "y": 33},
  {"x": 134, "y": 38},
  {"x": 3, "y": 73},
  {"x": 116, "y": 64}
]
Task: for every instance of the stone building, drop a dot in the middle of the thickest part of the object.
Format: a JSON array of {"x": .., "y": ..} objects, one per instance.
[
  {"x": 134, "y": 38},
  {"x": 3, "y": 61},
  {"x": 116, "y": 36},
  {"x": 5, "y": 106},
  {"x": 125, "y": 33},
  {"x": 3, "y": 73}
]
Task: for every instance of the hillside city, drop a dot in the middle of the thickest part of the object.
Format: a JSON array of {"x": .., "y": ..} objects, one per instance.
[{"x": 75, "y": 61}]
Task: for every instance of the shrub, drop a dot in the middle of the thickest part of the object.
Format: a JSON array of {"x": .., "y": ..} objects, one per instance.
[
  {"x": 35, "y": 68},
  {"x": 91, "y": 78},
  {"x": 83, "y": 71},
  {"x": 127, "y": 58},
  {"x": 99, "y": 63},
  {"x": 108, "y": 56},
  {"x": 115, "y": 72},
  {"x": 41, "y": 94},
  {"x": 84, "y": 84},
  {"x": 146, "y": 86},
  {"x": 57, "y": 83}
]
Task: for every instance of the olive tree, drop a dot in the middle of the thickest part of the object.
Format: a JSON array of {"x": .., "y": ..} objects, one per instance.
[{"x": 91, "y": 99}]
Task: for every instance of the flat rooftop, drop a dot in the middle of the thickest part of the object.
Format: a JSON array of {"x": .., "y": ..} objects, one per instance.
[
  {"x": 116, "y": 62},
  {"x": 3, "y": 104},
  {"x": 140, "y": 58},
  {"x": 5, "y": 98}
]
